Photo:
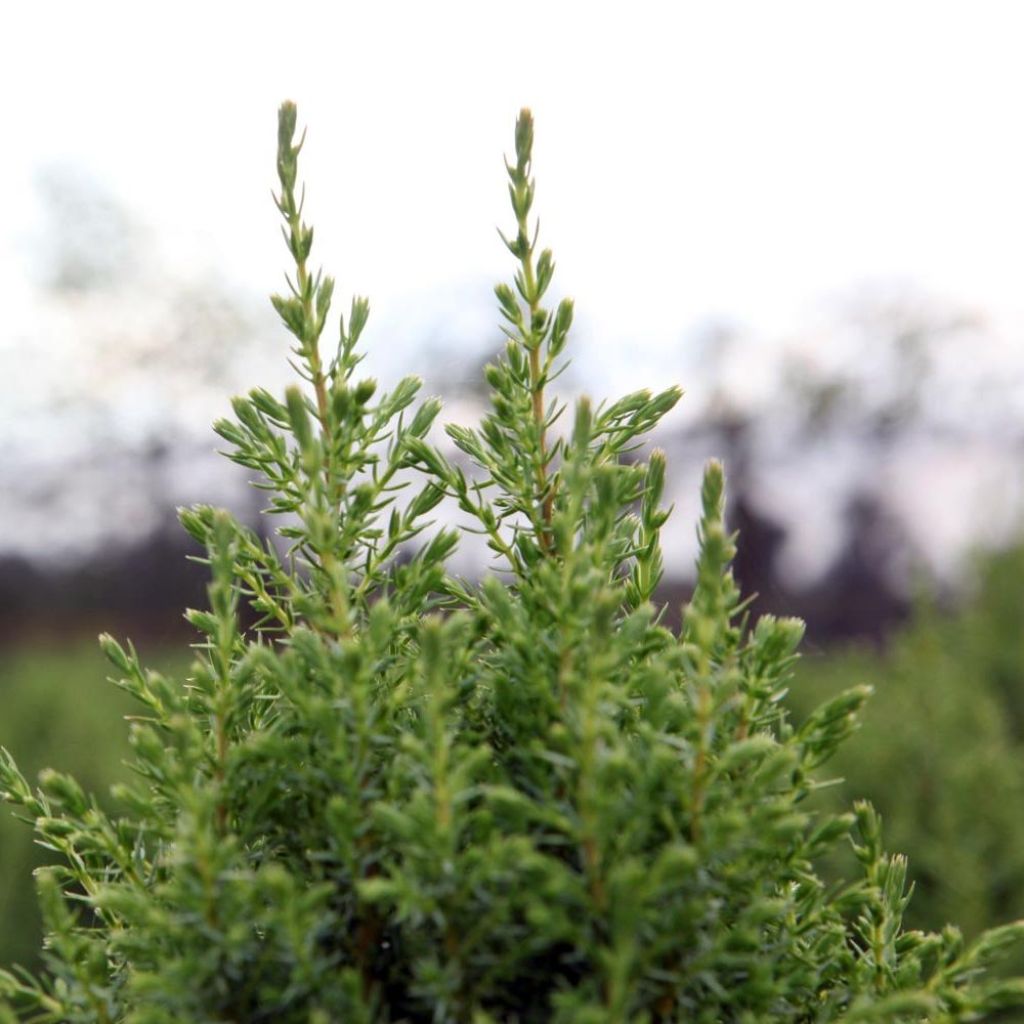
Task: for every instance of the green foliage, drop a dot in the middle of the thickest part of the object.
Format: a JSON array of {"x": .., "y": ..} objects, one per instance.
[
  {"x": 990, "y": 634},
  {"x": 942, "y": 750},
  {"x": 405, "y": 797},
  {"x": 57, "y": 710}
]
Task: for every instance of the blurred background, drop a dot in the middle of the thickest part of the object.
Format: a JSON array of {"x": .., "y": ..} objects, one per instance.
[{"x": 809, "y": 215}]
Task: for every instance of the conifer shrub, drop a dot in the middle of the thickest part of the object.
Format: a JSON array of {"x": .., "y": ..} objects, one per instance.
[{"x": 400, "y": 796}]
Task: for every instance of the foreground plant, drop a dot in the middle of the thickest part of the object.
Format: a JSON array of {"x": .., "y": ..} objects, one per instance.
[{"x": 399, "y": 796}]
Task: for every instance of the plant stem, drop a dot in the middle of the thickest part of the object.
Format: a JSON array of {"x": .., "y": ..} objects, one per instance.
[
  {"x": 533, "y": 343},
  {"x": 311, "y": 352}
]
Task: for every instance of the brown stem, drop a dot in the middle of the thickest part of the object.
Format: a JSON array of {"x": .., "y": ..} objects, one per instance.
[
  {"x": 592, "y": 858},
  {"x": 368, "y": 936},
  {"x": 537, "y": 393},
  {"x": 328, "y": 561},
  {"x": 222, "y": 756},
  {"x": 701, "y": 762}
]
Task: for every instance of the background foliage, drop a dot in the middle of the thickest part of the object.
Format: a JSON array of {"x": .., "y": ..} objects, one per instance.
[
  {"x": 941, "y": 751},
  {"x": 60, "y": 711}
]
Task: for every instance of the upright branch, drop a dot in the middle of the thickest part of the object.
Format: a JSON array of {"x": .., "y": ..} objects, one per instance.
[
  {"x": 545, "y": 492},
  {"x": 305, "y": 313},
  {"x": 708, "y": 636},
  {"x": 542, "y": 336}
]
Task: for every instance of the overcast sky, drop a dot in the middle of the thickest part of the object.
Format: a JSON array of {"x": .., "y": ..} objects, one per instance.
[
  {"x": 694, "y": 159},
  {"x": 741, "y": 160}
]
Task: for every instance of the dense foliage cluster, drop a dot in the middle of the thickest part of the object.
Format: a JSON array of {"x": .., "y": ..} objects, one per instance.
[{"x": 399, "y": 796}]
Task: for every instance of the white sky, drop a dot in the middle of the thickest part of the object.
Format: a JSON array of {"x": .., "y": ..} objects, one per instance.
[{"x": 694, "y": 160}]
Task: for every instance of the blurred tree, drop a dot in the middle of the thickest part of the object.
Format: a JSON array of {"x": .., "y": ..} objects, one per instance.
[
  {"x": 889, "y": 361},
  {"x": 859, "y": 450},
  {"x": 88, "y": 240},
  {"x": 125, "y": 357}
]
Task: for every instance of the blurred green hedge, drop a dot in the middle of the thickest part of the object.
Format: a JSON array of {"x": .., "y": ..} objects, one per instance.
[
  {"x": 941, "y": 751},
  {"x": 56, "y": 710}
]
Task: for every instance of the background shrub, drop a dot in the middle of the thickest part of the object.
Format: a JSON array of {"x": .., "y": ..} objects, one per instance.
[
  {"x": 60, "y": 711},
  {"x": 941, "y": 752}
]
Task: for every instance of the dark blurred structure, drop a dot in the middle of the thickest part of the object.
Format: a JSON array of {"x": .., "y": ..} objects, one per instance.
[
  {"x": 855, "y": 599},
  {"x": 139, "y": 591}
]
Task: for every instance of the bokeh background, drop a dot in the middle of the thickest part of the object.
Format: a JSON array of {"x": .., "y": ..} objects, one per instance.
[{"x": 809, "y": 215}]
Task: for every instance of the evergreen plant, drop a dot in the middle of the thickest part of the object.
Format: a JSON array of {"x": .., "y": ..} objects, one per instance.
[{"x": 398, "y": 796}]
